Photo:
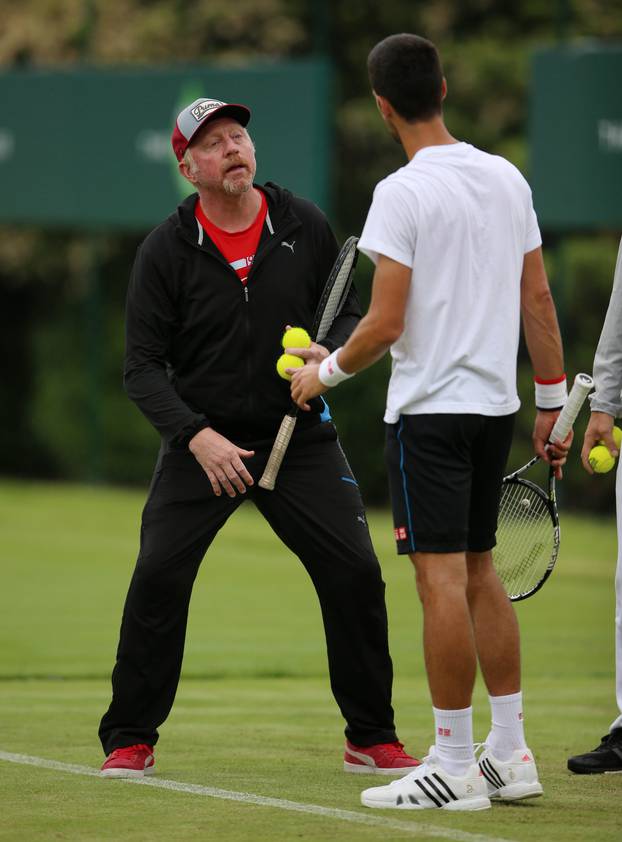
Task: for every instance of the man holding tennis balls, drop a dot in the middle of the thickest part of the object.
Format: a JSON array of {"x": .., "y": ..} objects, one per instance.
[
  {"x": 457, "y": 250},
  {"x": 601, "y": 447},
  {"x": 212, "y": 290}
]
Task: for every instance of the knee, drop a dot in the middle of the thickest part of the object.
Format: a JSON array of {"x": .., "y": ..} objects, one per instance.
[
  {"x": 439, "y": 576},
  {"x": 156, "y": 579},
  {"x": 360, "y": 578},
  {"x": 480, "y": 570}
]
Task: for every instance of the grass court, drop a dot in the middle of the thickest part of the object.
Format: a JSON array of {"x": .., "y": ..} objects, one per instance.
[{"x": 254, "y": 714}]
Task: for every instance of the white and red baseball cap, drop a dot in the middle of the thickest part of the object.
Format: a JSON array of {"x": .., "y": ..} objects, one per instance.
[{"x": 197, "y": 114}]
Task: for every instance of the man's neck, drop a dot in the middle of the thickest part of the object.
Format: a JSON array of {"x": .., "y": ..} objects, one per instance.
[
  {"x": 416, "y": 136},
  {"x": 231, "y": 213}
]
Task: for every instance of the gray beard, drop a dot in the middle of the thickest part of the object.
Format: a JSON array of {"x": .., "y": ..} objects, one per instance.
[{"x": 236, "y": 188}]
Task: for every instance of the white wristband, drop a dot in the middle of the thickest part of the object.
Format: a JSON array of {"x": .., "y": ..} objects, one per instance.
[
  {"x": 551, "y": 394},
  {"x": 330, "y": 374}
]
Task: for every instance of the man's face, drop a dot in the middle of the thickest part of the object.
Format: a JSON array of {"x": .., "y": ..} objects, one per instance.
[{"x": 224, "y": 158}]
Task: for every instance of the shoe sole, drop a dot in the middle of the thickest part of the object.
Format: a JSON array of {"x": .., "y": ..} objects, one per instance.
[
  {"x": 361, "y": 769},
  {"x": 462, "y": 805},
  {"x": 517, "y": 792},
  {"x": 127, "y": 773},
  {"x": 580, "y": 771}
]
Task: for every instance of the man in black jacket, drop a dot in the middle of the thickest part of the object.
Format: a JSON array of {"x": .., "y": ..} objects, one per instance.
[{"x": 211, "y": 292}]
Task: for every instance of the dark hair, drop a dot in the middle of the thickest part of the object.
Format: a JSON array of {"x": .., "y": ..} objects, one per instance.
[{"x": 406, "y": 70}]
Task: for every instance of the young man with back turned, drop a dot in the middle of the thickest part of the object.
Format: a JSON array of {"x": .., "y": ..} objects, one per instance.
[{"x": 456, "y": 246}]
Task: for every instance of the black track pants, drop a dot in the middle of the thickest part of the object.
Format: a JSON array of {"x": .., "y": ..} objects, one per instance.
[{"x": 317, "y": 511}]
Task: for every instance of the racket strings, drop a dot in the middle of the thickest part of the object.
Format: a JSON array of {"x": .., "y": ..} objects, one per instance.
[{"x": 525, "y": 539}]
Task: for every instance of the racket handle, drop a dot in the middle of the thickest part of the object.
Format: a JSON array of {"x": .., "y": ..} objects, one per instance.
[
  {"x": 277, "y": 453},
  {"x": 583, "y": 384}
]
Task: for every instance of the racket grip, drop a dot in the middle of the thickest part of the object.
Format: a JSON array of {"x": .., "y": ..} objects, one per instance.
[
  {"x": 583, "y": 384},
  {"x": 281, "y": 442}
]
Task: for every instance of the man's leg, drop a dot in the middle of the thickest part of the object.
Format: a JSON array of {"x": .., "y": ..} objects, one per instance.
[
  {"x": 317, "y": 511},
  {"x": 497, "y": 640},
  {"x": 495, "y": 626},
  {"x": 180, "y": 519},
  {"x": 450, "y": 655},
  {"x": 449, "y": 646},
  {"x": 617, "y": 723},
  {"x": 607, "y": 757}
]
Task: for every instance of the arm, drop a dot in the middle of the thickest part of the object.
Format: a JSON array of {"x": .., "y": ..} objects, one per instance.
[
  {"x": 150, "y": 323},
  {"x": 151, "y": 318},
  {"x": 375, "y": 333},
  {"x": 606, "y": 401},
  {"x": 545, "y": 350}
]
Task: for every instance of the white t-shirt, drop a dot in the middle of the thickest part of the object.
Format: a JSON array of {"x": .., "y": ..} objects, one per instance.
[{"x": 462, "y": 220}]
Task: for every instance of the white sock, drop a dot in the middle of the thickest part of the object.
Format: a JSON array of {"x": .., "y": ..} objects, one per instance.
[
  {"x": 507, "y": 733},
  {"x": 454, "y": 739}
]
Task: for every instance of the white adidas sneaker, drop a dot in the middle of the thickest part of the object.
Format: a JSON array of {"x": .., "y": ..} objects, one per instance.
[
  {"x": 429, "y": 786},
  {"x": 510, "y": 780}
]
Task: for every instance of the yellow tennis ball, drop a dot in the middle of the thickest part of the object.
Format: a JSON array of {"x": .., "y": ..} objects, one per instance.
[
  {"x": 600, "y": 459},
  {"x": 617, "y": 437},
  {"x": 288, "y": 361},
  {"x": 296, "y": 337}
]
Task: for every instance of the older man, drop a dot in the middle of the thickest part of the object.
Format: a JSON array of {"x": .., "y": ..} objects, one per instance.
[{"x": 212, "y": 290}]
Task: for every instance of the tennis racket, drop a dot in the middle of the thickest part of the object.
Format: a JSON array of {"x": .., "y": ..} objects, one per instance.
[
  {"x": 330, "y": 304},
  {"x": 528, "y": 527}
]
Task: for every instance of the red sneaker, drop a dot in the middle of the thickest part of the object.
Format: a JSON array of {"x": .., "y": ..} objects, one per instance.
[
  {"x": 129, "y": 762},
  {"x": 381, "y": 759}
]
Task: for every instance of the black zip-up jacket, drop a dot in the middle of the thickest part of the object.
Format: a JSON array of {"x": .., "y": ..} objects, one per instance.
[{"x": 201, "y": 348}]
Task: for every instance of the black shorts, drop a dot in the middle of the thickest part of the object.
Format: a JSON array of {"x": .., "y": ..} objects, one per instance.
[{"x": 445, "y": 474}]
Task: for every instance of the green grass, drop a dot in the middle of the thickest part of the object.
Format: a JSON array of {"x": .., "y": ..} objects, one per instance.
[{"x": 254, "y": 711}]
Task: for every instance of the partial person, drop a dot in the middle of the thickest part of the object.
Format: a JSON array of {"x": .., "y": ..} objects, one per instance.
[
  {"x": 212, "y": 290},
  {"x": 457, "y": 253},
  {"x": 606, "y": 406}
]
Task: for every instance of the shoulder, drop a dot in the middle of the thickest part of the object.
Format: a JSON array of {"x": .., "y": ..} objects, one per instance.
[
  {"x": 506, "y": 169},
  {"x": 399, "y": 190},
  {"x": 165, "y": 238}
]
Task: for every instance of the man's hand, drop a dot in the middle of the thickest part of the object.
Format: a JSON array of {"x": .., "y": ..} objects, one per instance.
[
  {"x": 600, "y": 427},
  {"x": 314, "y": 354},
  {"x": 222, "y": 462},
  {"x": 306, "y": 384},
  {"x": 554, "y": 453}
]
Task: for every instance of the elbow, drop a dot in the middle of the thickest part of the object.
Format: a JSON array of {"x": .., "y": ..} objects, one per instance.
[
  {"x": 390, "y": 332},
  {"x": 129, "y": 383}
]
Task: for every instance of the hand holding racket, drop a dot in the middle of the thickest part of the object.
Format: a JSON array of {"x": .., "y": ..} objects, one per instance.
[
  {"x": 528, "y": 534},
  {"x": 333, "y": 297}
]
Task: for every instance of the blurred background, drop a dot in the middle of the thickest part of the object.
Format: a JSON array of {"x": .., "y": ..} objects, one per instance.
[{"x": 89, "y": 93}]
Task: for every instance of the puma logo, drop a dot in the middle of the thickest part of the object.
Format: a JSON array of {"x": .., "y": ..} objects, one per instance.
[{"x": 289, "y": 245}]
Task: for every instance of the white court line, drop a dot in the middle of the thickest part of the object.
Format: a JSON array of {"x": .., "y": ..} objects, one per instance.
[{"x": 417, "y": 829}]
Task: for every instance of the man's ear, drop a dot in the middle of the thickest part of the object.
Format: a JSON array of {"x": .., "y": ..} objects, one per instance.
[
  {"x": 443, "y": 89},
  {"x": 384, "y": 106},
  {"x": 185, "y": 171}
]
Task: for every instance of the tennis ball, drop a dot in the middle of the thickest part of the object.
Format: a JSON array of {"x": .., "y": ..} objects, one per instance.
[
  {"x": 290, "y": 361},
  {"x": 601, "y": 461},
  {"x": 617, "y": 437},
  {"x": 296, "y": 337}
]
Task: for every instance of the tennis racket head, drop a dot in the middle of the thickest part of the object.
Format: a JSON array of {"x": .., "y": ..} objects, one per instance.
[
  {"x": 336, "y": 289},
  {"x": 527, "y": 536}
]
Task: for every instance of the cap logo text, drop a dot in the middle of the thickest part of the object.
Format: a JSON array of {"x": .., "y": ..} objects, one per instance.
[{"x": 203, "y": 108}]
